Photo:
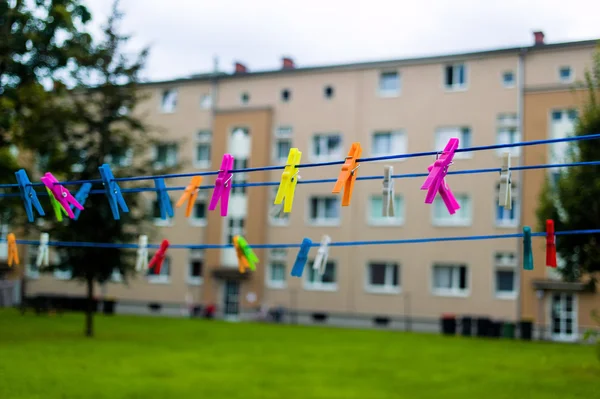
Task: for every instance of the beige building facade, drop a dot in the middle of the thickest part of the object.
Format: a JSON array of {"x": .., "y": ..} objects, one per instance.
[{"x": 390, "y": 107}]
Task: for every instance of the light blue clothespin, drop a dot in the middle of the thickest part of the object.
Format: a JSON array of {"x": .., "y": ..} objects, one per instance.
[
  {"x": 302, "y": 258},
  {"x": 527, "y": 253},
  {"x": 81, "y": 197},
  {"x": 164, "y": 201},
  {"x": 28, "y": 195},
  {"x": 113, "y": 191}
]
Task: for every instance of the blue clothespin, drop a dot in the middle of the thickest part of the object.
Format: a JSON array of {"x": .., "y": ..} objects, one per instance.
[
  {"x": 527, "y": 253},
  {"x": 81, "y": 196},
  {"x": 28, "y": 195},
  {"x": 302, "y": 258},
  {"x": 113, "y": 191},
  {"x": 164, "y": 201}
]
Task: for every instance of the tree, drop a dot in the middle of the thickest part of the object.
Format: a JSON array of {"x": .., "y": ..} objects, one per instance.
[
  {"x": 106, "y": 131},
  {"x": 572, "y": 200}
]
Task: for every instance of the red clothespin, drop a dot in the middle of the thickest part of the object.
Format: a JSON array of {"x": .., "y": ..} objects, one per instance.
[
  {"x": 159, "y": 256},
  {"x": 61, "y": 194},
  {"x": 550, "y": 244},
  {"x": 436, "y": 181},
  {"x": 348, "y": 174},
  {"x": 222, "y": 185}
]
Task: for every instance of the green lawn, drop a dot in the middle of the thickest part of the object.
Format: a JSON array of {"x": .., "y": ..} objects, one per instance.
[{"x": 47, "y": 357}]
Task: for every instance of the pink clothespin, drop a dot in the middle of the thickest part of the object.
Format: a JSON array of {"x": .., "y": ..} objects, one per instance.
[
  {"x": 222, "y": 185},
  {"x": 62, "y": 195},
  {"x": 436, "y": 181}
]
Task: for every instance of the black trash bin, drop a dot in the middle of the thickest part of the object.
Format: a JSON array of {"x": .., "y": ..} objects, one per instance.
[
  {"x": 526, "y": 329},
  {"x": 466, "y": 325},
  {"x": 108, "y": 307},
  {"x": 483, "y": 326},
  {"x": 495, "y": 329},
  {"x": 448, "y": 324}
]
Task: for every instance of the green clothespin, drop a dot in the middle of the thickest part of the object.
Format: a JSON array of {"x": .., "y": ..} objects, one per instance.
[
  {"x": 527, "y": 253},
  {"x": 58, "y": 209},
  {"x": 248, "y": 252}
]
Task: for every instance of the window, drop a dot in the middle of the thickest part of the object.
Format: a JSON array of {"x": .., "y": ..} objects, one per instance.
[
  {"x": 116, "y": 276},
  {"x": 389, "y": 83},
  {"x": 508, "y": 133},
  {"x": 199, "y": 212},
  {"x": 286, "y": 95},
  {"x": 245, "y": 98},
  {"x": 63, "y": 274},
  {"x": 455, "y": 77},
  {"x": 32, "y": 271},
  {"x": 562, "y": 125},
  {"x": 376, "y": 211},
  {"x": 206, "y": 101},
  {"x": 165, "y": 155},
  {"x": 283, "y": 144},
  {"x": 508, "y": 79},
  {"x": 202, "y": 151},
  {"x": 504, "y": 275},
  {"x": 327, "y": 146},
  {"x": 324, "y": 210},
  {"x": 325, "y": 282},
  {"x": 168, "y": 101},
  {"x": 121, "y": 157},
  {"x": 388, "y": 143},
  {"x": 158, "y": 221},
  {"x": 276, "y": 274},
  {"x": 239, "y": 178},
  {"x": 235, "y": 227},
  {"x": 463, "y": 134},
  {"x": 163, "y": 276},
  {"x": 565, "y": 74},
  {"x": 195, "y": 267},
  {"x": 507, "y": 217},
  {"x": 277, "y": 216},
  {"x": 450, "y": 280},
  {"x": 328, "y": 92},
  {"x": 462, "y": 217},
  {"x": 383, "y": 277},
  {"x": 80, "y": 157}
]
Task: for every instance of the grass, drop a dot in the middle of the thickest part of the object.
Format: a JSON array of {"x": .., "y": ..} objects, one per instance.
[{"x": 137, "y": 357}]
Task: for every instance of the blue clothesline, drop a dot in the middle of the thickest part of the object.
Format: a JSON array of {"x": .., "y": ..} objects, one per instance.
[
  {"x": 314, "y": 244},
  {"x": 319, "y": 164}
]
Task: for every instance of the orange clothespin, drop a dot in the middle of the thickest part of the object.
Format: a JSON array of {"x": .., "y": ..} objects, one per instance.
[
  {"x": 242, "y": 261},
  {"x": 13, "y": 253},
  {"x": 190, "y": 194},
  {"x": 550, "y": 244},
  {"x": 348, "y": 174}
]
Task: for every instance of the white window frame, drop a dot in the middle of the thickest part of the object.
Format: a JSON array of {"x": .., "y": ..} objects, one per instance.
[
  {"x": 387, "y": 287},
  {"x": 508, "y": 123},
  {"x": 162, "y": 278},
  {"x": 167, "y": 164},
  {"x": 386, "y": 93},
  {"x": 502, "y": 262},
  {"x": 382, "y": 221},
  {"x": 193, "y": 220},
  {"x": 398, "y": 135},
  {"x": 203, "y": 137},
  {"x": 514, "y": 80},
  {"x": 321, "y": 221},
  {"x": 455, "y": 87},
  {"x": 454, "y": 131},
  {"x": 206, "y": 101},
  {"x": 507, "y": 223},
  {"x": 339, "y": 155},
  {"x": 284, "y": 219},
  {"x": 318, "y": 285},
  {"x": 157, "y": 221},
  {"x": 452, "y": 220},
  {"x": 571, "y": 78},
  {"x": 171, "y": 108},
  {"x": 452, "y": 292},
  {"x": 276, "y": 255},
  {"x": 281, "y": 133},
  {"x": 194, "y": 255},
  {"x": 125, "y": 161}
]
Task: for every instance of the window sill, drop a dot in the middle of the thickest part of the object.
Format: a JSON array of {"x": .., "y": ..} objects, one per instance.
[
  {"x": 197, "y": 222},
  {"x": 389, "y": 93},
  {"x": 452, "y": 294},
  {"x": 320, "y": 287},
  {"x": 62, "y": 278},
  {"x": 510, "y": 86},
  {"x": 373, "y": 289},
  {"x": 159, "y": 280},
  {"x": 202, "y": 165},
  {"x": 511, "y": 296},
  {"x": 278, "y": 222},
  {"x": 163, "y": 223},
  {"x": 194, "y": 280},
  {"x": 506, "y": 225},
  {"x": 275, "y": 285},
  {"x": 450, "y": 223},
  {"x": 163, "y": 111},
  {"x": 455, "y": 89},
  {"x": 391, "y": 222},
  {"x": 324, "y": 223}
]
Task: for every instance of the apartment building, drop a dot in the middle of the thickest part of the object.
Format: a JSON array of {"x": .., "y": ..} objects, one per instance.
[{"x": 390, "y": 107}]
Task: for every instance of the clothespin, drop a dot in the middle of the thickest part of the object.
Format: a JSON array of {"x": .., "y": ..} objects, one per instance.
[
  {"x": 436, "y": 181},
  {"x": 56, "y": 206},
  {"x": 550, "y": 244},
  {"x": 62, "y": 195},
  {"x": 164, "y": 201},
  {"x": 158, "y": 258},
  {"x": 301, "y": 258},
  {"x": 505, "y": 193},
  {"x": 141, "y": 262},
  {"x": 289, "y": 179},
  {"x": 43, "y": 252},
  {"x": 388, "y": 191},
  {"x": 348, "y": 174},
  {"x": 527, "y": 253},
  {"x": 222, "y": 185},
  {"x": 13, "y": 252},
  {"x": 322, "y": 255},
  {"x": 246, "y": 256},
  {"x": 28, "y": 195},
  {"x": 113, "y": 191},
  {"x": 190, "y": 194},
  {"x": 81, "y": 197}
]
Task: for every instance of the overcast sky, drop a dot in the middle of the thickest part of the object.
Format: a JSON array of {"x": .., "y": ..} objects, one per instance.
[{"x": 185, "y": 35}]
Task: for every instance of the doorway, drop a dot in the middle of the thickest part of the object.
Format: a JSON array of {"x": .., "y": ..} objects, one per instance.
[
  {"x": 563, "y": 316},
  {"x": 231, "y": 299}
]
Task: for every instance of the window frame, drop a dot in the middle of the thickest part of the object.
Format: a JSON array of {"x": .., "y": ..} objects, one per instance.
[
  {"x": 452, "y": 292},
  {"x": 202, "y": 198},
  {"x": 505, "y": 265},
  {"x": 513, "y": 82},
  {"x": 160, "y": 278},
  {"x": 329, "y": 157},
  {"x": 162, "y": 107},
  {"x": 206, "y": 140},
  {"x": 571, "y": 77},
  {"x": 385, "y": 288},
  {"x": 320, "y": 286},
  {"x": 387, "y": 221},
  {"x": 170, "y": 145},
  {"x": 455, "y": 87},
  {"x": 461, "y": 132},
  {"x": 277, "y": 221},
  {"x": 322, "y": 221},
  {"x": 452, "y": 220},
  {"x": 396, "y": 133},
  {"x": 389, "y": 93},
  {"x": 195, "y": 255},
  {"x": 276, "y": 258}
]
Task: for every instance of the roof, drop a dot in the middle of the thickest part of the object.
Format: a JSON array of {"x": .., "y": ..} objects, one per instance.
[{"x": 378, "y": 64}]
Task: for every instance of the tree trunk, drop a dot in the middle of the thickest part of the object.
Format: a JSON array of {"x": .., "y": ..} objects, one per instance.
[{"x": 89, "y": 314}]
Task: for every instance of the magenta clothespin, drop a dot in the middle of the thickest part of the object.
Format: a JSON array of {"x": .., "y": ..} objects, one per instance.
[
  {"x": 62, "y": 195},
  {"x": 222, "y": 185},
  {"x": 436, "y": 181}
]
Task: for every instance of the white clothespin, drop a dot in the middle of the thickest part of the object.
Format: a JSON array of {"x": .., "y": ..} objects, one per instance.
[
  {"x": 505, "y": 193},
  {"x": 388, "y": 191},
  {"x": 142, "y": 254},
  {"x": 43, "y": 256},
  {"x": 322, "y": 255}
]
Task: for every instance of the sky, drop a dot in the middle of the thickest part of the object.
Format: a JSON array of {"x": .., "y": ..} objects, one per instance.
[{"x": 185, "y": 36}]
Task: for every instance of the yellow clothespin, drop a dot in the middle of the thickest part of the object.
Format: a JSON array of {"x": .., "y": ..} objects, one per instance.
[
  {"x": 289, "y": 179},
  {"x": 13, "y": 253},
  {"x": 190, "y": 194}
]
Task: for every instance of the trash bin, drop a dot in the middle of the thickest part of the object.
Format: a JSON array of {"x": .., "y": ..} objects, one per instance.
[
  {"x": 508, "y": 330},
  {"x": 526, "y": 329},
  {"x": 108, "y": 307},
  {"x": 495, "y": 329},
  {"x": 466, "y": 326},
  {"x": 483, "y": 326},
  {"x": 448, "y": 324}
]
